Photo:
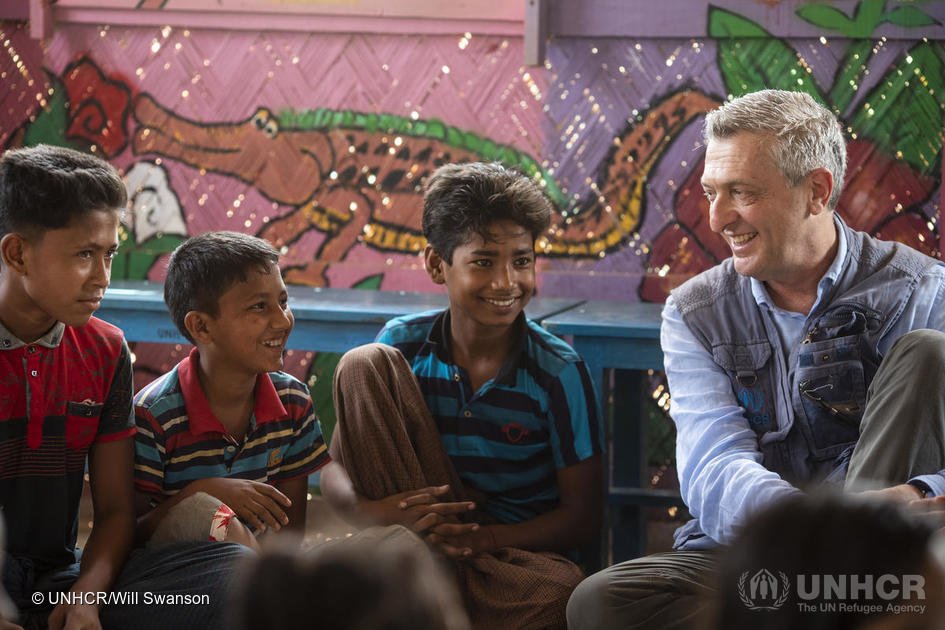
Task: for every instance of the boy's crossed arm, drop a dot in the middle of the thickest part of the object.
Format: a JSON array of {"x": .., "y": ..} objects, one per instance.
[
  {"x": 418, "y": 510},
  {"x": 575, "y": 521}
]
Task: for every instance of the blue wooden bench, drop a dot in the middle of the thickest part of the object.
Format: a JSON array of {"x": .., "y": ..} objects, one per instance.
[
  {"x": 326, "y": 320},
  {"x": 625, "y": 336}
]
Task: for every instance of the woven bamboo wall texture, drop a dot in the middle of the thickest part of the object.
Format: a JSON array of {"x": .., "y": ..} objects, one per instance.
[{"x": 628, "y": 229}]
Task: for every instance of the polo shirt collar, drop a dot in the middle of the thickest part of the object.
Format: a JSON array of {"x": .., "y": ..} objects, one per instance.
[
  {"x": 440, "y": 339},
  {"x": 9, "y": 341},
  {"x": 268, "y": 406}
]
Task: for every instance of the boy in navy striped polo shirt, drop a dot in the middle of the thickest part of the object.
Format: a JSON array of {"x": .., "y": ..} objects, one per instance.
[
  {"x": 225, "y": 432},
  {"x": 473, "y": 426}
]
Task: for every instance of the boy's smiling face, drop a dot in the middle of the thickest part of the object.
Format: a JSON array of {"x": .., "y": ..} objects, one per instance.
[
  {"x": 62, "y": 274},
  {"x": 252, "y": 325},
  {"x": 490, "y": 280}
]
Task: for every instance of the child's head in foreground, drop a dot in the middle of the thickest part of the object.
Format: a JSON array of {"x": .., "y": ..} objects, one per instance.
[
  {"x": 352, "y": 584},
  {"x": 796, "y": 556},
  {"x": 226, "y": 295}
]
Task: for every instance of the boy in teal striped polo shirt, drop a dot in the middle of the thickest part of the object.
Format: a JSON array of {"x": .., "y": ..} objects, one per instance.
[{"x": 473, "y": 426}]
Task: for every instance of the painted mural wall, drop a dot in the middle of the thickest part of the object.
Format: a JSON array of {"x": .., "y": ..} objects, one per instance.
[{"x": 320, "y": 141}]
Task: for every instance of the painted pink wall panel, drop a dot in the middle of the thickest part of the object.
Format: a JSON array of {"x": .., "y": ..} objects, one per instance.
[
  {"x": 228, "y": 75},
  {"x": 444, "y": 9}
]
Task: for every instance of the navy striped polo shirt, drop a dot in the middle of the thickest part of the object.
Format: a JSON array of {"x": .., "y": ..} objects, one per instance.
[
  {"x": 508, "y": 439},
  {"x": 180, "y": 440}
]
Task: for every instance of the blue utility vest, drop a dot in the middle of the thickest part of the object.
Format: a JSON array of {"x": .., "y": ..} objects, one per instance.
[{"x": 806, "y": 411}]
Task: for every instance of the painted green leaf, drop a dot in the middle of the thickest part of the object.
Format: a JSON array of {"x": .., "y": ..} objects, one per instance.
[
  {"x": 319, "y": 382},
  {"x": 849, "y": 73},
  {"x": 909, "y": 17},
  {"x": 50, "y": 124},
  {"x": 868, "y": 15},
  {"x": 752, "y": 59},
  {"x": 826, "y": 17},
  {"x": 903, "y": 114},
  {"x": 322, "y": 373},
  {"x": 371, "y": 283},
  {"x": 134, "y": 261}
]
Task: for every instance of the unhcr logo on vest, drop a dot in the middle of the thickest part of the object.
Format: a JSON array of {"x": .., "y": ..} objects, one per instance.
[{"x": 763, "y": 591}]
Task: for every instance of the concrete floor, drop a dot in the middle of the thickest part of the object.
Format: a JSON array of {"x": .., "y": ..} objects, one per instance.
[{"x": 323, "y": 524}]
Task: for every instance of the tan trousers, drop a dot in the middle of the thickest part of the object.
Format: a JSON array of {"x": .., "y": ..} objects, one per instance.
[{"x": 387, "y": 441}]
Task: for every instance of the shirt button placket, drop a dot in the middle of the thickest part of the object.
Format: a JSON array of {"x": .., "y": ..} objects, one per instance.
[{"x": 34, "y": 431}]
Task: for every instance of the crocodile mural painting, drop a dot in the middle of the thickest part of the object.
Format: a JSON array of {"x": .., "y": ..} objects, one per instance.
[{"x": 357, "y": 177}]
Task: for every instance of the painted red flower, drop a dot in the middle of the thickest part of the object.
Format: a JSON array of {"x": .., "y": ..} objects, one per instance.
[{"x": 98, "y": 107}]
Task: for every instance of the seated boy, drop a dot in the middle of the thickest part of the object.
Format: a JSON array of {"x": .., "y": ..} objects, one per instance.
[
  {"x": 477, "y": 429},
  {"x": 65, "y": 400},
  {"x": 225, "y": 431}
]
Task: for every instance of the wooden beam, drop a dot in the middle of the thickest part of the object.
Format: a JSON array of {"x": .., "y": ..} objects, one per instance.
[{"x": 536, "y": 31}]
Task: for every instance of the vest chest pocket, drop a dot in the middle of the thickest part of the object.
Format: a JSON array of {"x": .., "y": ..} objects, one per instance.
[
  {"x": 749, "y": 369},
  {"x": 831, "y": 387}
]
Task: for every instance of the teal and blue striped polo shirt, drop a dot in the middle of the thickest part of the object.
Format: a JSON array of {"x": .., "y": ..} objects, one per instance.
[{"x": 509, "y": 438}]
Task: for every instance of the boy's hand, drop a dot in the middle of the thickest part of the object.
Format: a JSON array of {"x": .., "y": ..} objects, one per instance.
[
  {"x": 461, "y": 540},
  {"x": 417, "y": 510},
  {"x": 258, "y": 504},
  {"x": 74, "y": 617}
]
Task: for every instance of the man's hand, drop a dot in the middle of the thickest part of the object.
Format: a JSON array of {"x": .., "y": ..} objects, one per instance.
[
  {"x": 417, "y": 510},
  {"x": 74, "y": 617},
  {"x": 258, "y": 504},
  {"x": 9, "y": 625},
  {"x": 903, "y": 493},
  {"x": 911, "y": 498}
]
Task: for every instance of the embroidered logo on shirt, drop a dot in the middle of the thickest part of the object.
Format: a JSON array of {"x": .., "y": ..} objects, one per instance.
[
  {"x": 275, "y": 457},
  {"x": 514, "y": 432}
]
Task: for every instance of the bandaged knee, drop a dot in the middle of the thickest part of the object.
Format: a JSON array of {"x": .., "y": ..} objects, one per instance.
[{"x": 199, "y": 517}]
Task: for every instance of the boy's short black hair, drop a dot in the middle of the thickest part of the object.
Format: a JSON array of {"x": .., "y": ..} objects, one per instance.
[
  {"x": 45, "y": 187},
  {"x": 397, "y": 586},
  {"x": 204, "y": 267},
  {"x": 461, "y": 200}
]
